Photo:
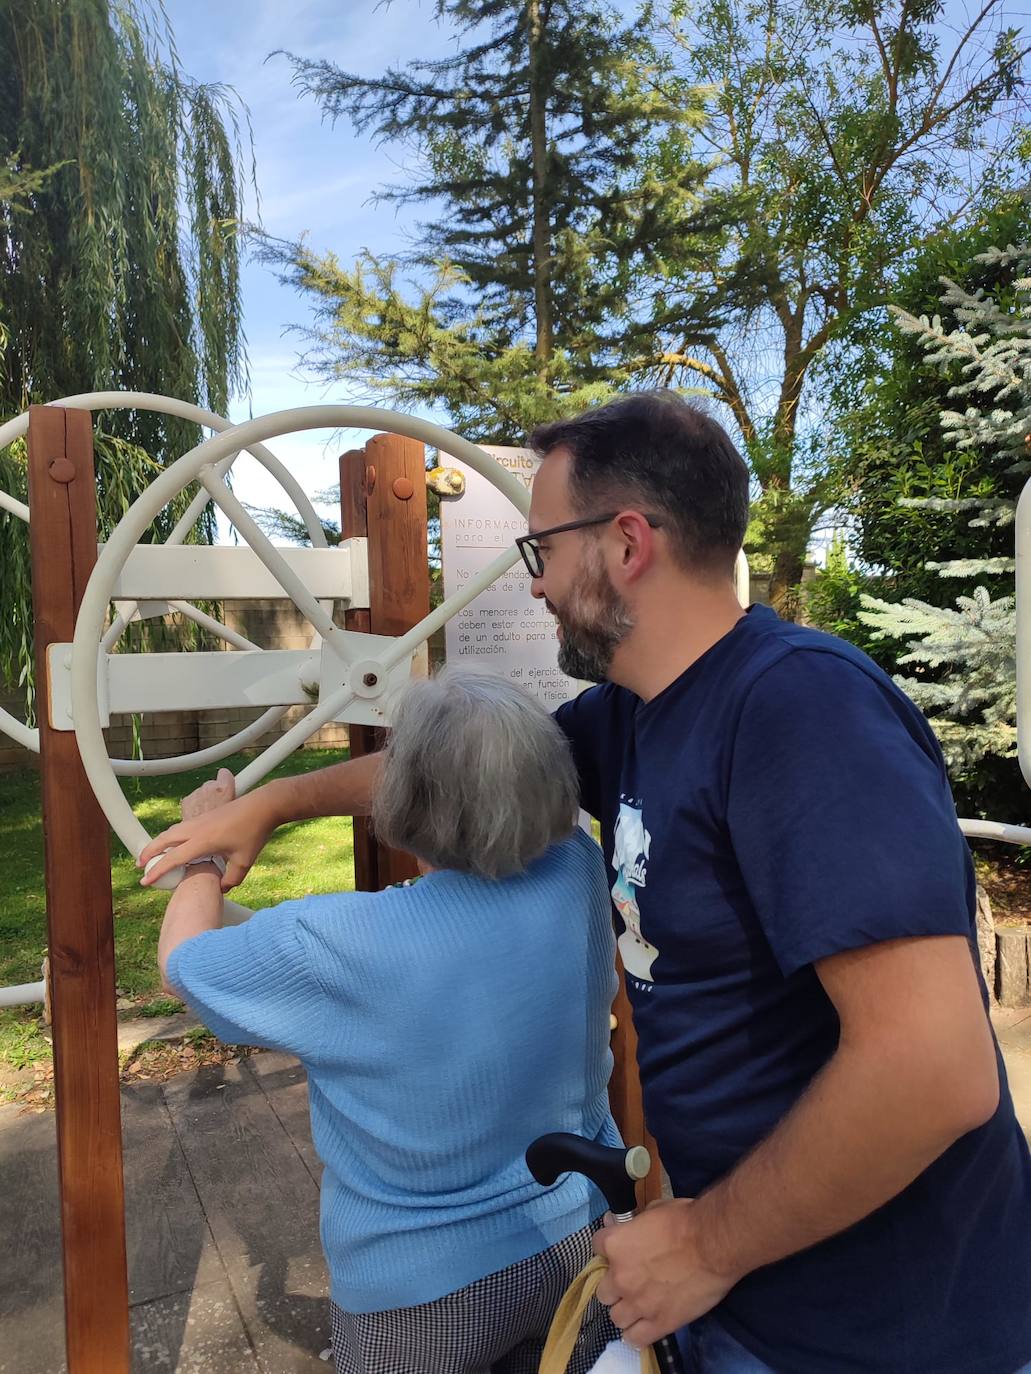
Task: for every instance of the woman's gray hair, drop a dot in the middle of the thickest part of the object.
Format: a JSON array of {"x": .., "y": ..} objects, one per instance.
[{"x": 476, "y": 776}]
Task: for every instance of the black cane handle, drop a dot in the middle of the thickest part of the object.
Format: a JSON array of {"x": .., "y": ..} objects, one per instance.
[{"x": 615, "y": 1172}]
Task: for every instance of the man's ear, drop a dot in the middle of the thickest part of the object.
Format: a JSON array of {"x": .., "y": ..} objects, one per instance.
[{"x": 636, "y": 544}]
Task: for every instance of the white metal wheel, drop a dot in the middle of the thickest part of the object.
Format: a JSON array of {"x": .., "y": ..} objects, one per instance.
[
  {"x": 202, "y": 464},
  {"x": 184, "y": 410}
]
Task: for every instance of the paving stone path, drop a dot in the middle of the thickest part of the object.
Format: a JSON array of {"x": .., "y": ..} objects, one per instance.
[
  {"x": 225, "y": 1271},
  {"x": 226, "y": 1275}
]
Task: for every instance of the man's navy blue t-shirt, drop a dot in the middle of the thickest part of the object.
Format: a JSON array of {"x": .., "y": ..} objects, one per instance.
[{"x": 779, "y": 802}]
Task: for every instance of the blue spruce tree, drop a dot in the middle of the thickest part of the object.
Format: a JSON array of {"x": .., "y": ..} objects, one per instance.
[{"x": 964, "y": 658}]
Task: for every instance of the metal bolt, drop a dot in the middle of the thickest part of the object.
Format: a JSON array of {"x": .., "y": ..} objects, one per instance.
[{"x": 370, "y": 679}]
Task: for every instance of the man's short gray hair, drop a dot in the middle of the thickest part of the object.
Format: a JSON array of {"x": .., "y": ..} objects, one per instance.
[{"x": 476, "y": 776}]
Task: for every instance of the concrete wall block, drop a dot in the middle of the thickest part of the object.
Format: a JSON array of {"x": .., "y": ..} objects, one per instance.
[
  {"x": 169, "y": 746},
  {"x": 1013, "y": 983},
  {"x": 180, "y": 718},
  {"x": 15, "y": 757},
  {"x": 235, "y": 724},
  {"x": 161, "y": 729},
  {"x": 219, "y": 714},
  {"x": 166, "y": 748}
]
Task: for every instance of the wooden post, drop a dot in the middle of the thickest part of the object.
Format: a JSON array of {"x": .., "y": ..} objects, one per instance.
[
  {"x": 383, "y": 497},
  {"x": 362, "y": 739},
  {"x": 625, "y": 1100},
  {"x": 80, "y": 927}
]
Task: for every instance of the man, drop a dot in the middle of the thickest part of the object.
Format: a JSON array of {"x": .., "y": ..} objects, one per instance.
[{"x": 852, "y": 1190}]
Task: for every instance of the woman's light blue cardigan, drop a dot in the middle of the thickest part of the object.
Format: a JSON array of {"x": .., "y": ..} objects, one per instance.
[{"x": 443, "y": 1027}]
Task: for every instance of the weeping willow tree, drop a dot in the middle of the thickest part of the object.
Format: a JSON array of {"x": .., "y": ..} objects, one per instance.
[{"x": 120, "y": 190}]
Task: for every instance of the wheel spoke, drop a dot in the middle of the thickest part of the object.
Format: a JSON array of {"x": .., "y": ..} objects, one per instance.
[
  {"x": 16, "y": 507},
  {"x": 293, "y": 738},
  {"x": 182, "y": 528},
  {"x": 17, "y": 427},
  {"x": 458, "y": 602},
  {"x": 996, "y": 830},
  {"x": 208, "y": 622},
  {"x": 275, "y": 562}
]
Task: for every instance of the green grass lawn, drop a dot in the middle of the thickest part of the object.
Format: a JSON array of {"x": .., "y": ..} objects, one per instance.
[{"x": 317, "y": 856}]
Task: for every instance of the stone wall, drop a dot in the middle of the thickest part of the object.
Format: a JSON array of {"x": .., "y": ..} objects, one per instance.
[{"x": 11, "y": 754}]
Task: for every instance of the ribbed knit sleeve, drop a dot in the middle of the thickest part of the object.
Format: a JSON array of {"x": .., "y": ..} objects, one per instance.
[{"x": 255, "y": 984}]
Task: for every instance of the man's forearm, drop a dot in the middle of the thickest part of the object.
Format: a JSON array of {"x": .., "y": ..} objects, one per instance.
[
  {"x": 239, "y": 829},
  {"x": 343, "y": 789},
  {"x": 856, "y": 1138},
  {"x": 915, "y": 1068}
]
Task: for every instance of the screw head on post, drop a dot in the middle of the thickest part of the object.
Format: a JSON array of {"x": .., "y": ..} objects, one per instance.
[{"x": 62, "y": 470}]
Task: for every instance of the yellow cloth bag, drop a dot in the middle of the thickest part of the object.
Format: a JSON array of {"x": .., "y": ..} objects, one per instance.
[{"x": 565, "y": 1327}]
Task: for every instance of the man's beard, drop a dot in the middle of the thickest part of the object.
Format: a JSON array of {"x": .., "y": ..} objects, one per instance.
[{"x": 594, "y": 624}]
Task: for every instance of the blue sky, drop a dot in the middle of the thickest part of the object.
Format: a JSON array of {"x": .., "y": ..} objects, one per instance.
[{"x": 313, "y": 178}]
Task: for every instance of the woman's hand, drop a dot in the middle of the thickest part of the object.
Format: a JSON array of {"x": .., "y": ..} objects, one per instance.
[
  {"x": 214, "y": 823},
  {"x": 214, "y": 793}
]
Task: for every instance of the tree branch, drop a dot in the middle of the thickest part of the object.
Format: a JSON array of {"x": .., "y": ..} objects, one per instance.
[
  {"x": 946, "y": 75},
  {"x": 889, "y": 73},
  {"x": 828, "y": 144},
  {"x": 722, "y": 377}
]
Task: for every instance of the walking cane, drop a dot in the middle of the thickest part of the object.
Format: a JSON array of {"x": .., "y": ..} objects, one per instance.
[{"x": 615, "y": 1173}]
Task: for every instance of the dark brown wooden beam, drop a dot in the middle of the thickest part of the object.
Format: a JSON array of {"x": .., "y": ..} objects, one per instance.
[
  {"x": 354, "y": 524},
  {"x": 80, "y": 928},
  {"x": 383, "y": 498}
]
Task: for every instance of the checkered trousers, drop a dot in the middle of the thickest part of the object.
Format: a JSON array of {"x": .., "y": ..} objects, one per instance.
[{"x": 497, "y": 1325}]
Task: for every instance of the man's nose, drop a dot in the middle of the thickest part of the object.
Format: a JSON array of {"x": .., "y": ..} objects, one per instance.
[{"x": 537, "y": 587}]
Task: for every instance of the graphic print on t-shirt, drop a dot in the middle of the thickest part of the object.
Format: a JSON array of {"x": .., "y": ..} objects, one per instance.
[{"x": 630, "y": 853}]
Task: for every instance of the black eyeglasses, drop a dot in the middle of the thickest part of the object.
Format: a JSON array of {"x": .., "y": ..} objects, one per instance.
[{"x": 529, "y": 544}]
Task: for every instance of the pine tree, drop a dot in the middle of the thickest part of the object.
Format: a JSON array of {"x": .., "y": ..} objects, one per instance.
[
  {"x": 966, "y": 657},
  {"x": 846, "y": 136},
  {"x": 120, "y": 195},
  {"x": 529, "y": 142}
]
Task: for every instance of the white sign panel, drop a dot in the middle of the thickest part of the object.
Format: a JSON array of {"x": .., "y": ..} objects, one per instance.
[{"x": 505, "y": 629}]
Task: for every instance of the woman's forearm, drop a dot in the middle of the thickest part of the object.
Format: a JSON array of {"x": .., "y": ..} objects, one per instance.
[{"x": 195, "y": 906}]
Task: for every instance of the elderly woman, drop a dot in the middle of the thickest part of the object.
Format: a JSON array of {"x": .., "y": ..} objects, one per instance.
[{"x": 443, "y": 1023}]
